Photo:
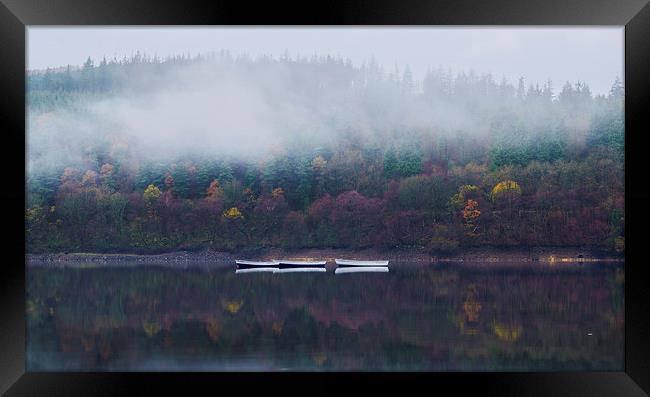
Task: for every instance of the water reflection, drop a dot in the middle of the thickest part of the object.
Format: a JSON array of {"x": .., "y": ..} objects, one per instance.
[
  {"x": 413, "y": 318},
  {"x": 301, "y": 270},
  {"x": 361, "y": 269},
  {"x": 257, "y": 270}
]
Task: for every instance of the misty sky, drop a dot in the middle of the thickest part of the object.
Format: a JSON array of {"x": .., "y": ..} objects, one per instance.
[{"x": 594, "y": 55}]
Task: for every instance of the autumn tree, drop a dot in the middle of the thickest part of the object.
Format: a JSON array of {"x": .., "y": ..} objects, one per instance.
[
  {"x": 169, "y": 182},
  {"x": 505, "y": 195},
  {"x": 471, "y": 214},
  {"x": 151, "y": 196},
  {"x": 506, "y": 192},
  {"x": 234, "y": 222},
  {"x": 214, "y": 191},
  {"x": 385, "y": 181},
  {"x": 69, "y": 181},
  {"x": 106, "y": 177},
  {"x": 89, "y": 180}
]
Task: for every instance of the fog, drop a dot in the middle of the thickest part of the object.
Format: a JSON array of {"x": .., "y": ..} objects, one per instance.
[
  {"x": 250, "y": 106},
  {"x": 592, "y": 54}
]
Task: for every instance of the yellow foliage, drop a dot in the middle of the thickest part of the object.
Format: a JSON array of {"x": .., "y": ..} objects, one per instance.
[
  {"x": 507, "y": 333},
  {"x": 318, "y": 163},
  {"x": 151, "y": 194},
  {"x": 458, "y": 199},
  {"x": 33, "y": 213},
  {"x": 619, "y": 243},
  {"x": 508, "y": 186},
  {"x": 150, "y": 328},
  {"x": 277, "y": 192},
  {"x": 232, "y": 306},
  {"x": 233, "y": 213},
  {"x": 467, "y": 188}
]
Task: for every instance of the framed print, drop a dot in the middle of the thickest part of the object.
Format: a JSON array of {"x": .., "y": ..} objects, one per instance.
[{"x": 438, "y": 193}]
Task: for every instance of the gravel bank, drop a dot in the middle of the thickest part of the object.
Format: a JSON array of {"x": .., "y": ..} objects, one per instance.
[{"x": 216, "y": 258}]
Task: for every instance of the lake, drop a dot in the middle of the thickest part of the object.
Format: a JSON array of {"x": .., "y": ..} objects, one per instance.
[{"x": 451, "y": 317}]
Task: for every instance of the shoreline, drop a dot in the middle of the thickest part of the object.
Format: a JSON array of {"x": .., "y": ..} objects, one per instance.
[{"x": 548, "y": 255}]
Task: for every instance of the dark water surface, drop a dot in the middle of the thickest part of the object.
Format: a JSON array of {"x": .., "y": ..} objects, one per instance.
[{"x": 451, "y": 317}]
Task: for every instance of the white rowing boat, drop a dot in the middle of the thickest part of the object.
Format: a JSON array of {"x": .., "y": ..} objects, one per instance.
[
  {"x": 257, "y": 263},
  {"x": 255, "y": 266},
  {"x": 300, "y": 270},
  {"x": 361, "y": 269},
  {"x": 282, "y": 262},
  {"x": 350, "y": 262},
  {"x": 256, "y": 270},
  {"x": 288, "y": 266}
]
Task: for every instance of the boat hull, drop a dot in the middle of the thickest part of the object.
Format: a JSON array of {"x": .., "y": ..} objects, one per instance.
[
  {"x": 256, "y": 270},
  {"x": 254, "y": 264},
  {"x": 294, "y": 269},
  {"x": 353, "y": 263},
  {"x": 361, "y": 269},
  {"x": 284, "y": 264}
]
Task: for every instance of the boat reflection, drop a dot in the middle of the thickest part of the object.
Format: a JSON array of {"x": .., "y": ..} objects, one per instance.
[
  {"x": 361, "y": 269},
  {"x": 257, "y": 270},
  {"x": 301, "y": 270}
]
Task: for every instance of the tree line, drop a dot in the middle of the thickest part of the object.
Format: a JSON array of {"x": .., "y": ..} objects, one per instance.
[{"x": 531, "y": 168}]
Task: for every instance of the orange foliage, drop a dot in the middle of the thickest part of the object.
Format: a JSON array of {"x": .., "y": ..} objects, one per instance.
[
  {"x": 106, "y": 171},
  {"x": 472, "y": 309},
  {"x": 277, "y": 192},
  {"x": 69, "y": 174},
  {"x": 214, "y": 191},
  {"x": 89, "y": 179},
  {"x": 471, "y": 211}
]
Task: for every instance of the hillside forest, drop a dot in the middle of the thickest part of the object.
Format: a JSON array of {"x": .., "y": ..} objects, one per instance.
[{"x": 149, "y": 155}]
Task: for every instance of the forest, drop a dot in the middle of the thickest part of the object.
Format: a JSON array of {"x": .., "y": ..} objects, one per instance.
[{"x": 148, "y": 155}]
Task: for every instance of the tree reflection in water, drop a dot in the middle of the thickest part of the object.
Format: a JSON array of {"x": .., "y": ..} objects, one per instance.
[{"x": 413, "y": 318}]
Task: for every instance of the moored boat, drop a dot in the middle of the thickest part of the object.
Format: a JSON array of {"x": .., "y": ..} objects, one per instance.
[
  {"x": 289, "y": 264},
  {"x": 361, "y": 269},
  {"x": 243, "y": 264},
  {"x": 354, "y": 263},
  {"x": 256, "y": 270}
]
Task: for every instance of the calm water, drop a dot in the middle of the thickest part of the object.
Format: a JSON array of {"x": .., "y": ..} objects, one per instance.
[{"x": 451, "y": 317}]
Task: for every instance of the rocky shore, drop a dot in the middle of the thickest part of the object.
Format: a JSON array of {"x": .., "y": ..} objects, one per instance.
[{"x": 216, "y": 258}]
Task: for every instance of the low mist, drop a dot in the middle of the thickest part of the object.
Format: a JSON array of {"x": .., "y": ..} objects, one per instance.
[{"x": 248, "y": 109}]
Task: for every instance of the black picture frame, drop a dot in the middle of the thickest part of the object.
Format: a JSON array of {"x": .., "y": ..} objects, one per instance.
[{"x": 15, "y": 15}]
